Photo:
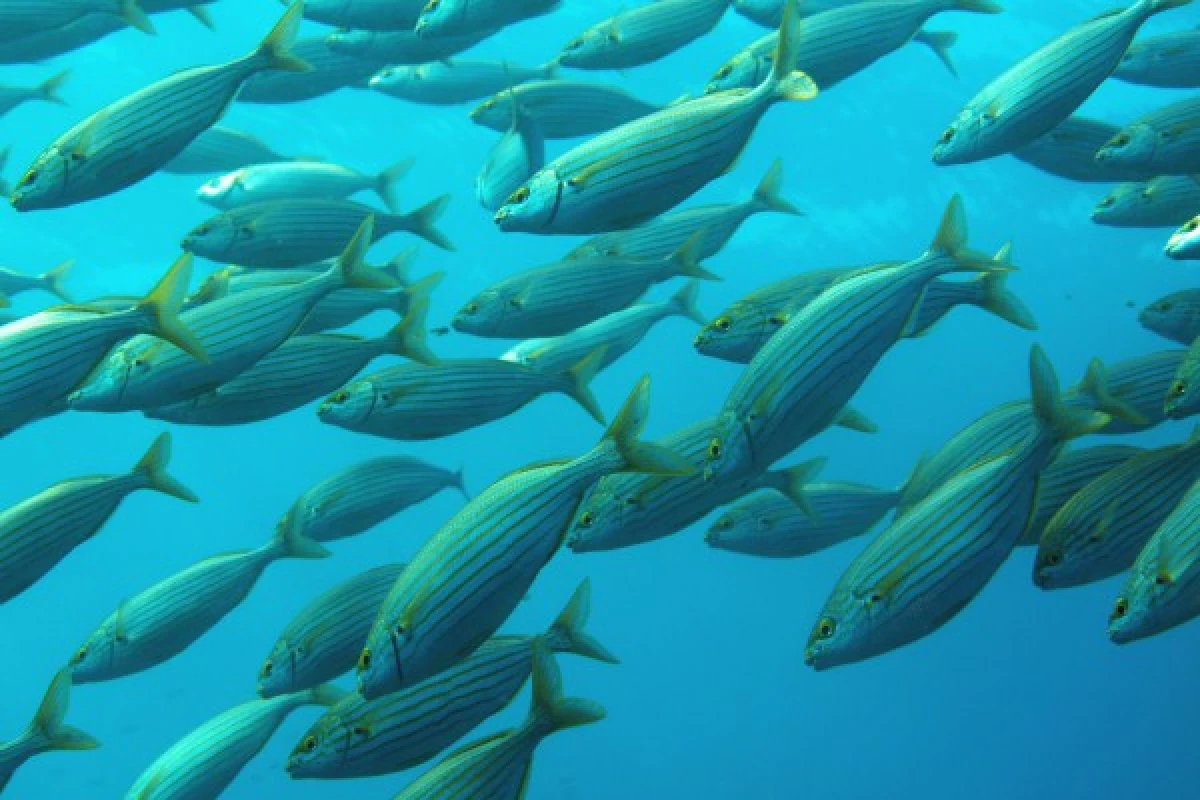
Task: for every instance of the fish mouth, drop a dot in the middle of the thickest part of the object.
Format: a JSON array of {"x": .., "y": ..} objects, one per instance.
[
  {"x": 1041, "y": 579},
  {"x": 812, "y": 658},
  {"x": 502, "y": 218}
]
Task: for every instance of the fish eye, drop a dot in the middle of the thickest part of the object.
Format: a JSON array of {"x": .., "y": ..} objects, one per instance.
[
  {"x": 432, "y": 6},
  {"x": 1120, "y": 140},
  {"x": 1162, "y": 307},
  {"x": 203, "y": 229},
  {"x": 1121, "y": 608},
  {"x": 519, "y": 196},
  {"x": 29, "y": 177},
  {"x": 723, "y": 324},
  {"x": 724, "y": 72},
  {"x": 309, "y": 744},
  {"x": 826, "y": 627},
  {"x": 1107, "y": 202},
  {"x": 1191, "y": 225},
  {"x": 574, "y": 44},
  {"x": 339, "y": 397},
  {"x": 399, "y": 631},
  {"x": 714, "y": 448},
  {"x": 1054, "y": 558},
  {"x": 80, "y": 656},
  {"x": 723, "y": 524},
  {"x": 1162, "y": 579},
  {"x": 364, "y": 659},
  {"x": 586, "y": 519},
  {"x": 471, "y": 308},
  {"x": 947, "y": 136},
  {"x": 266, "y": 670},
  {"x": 1178, "y": 389}
]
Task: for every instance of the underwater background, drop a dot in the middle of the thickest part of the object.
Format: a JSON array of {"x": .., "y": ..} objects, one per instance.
[{"x": 1022, "y": 695}]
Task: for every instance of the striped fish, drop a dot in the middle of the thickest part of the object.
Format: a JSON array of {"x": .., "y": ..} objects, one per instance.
[
  {"x": 47, "y": 731},
  {"x": 46, "y": 91},
  {"x": 331, "y": 69},
  {"x": 648, "y": 166},
  {"x": 1183, "y": 397},
  {"x": 299, "y": 180},
  {"x": 1069, "y": 151},
  {"x": 221, "y": 149},
  {"x": 372, "y": 15},
  {"x": 302, "y": 369},
  {"x": 235, "y": 332},
  {"x": 1164, "y": 202},
  {"x": 930, "y": 563},
  {"x": 1136, "y": 385},
  {"x": 806, "y": 374},
  {"x": 519, "y": 153},
  {"x": 444, "y": 18},
  {"x": 769, "y": 525},
  {"x": 21, "y": 18},
  {"x": 453, "y": 82},
  {"x": 132, "y": 138},
  {"x": 498, "y": 767},
  {"x": 367, "y": 494},
  {"x": 844, "y": 41},
  {"x": 1184, "y": 244},
  {"x": 1100, "y": 531},
  {"x": 563, "y": 109},
  {"x": 42, "y": 530},
  {"x": 44, "y": 356},
  {"x": 466, "y": 580},
  {"x": 361, "y": 738},
  {"x": 1066, "y": 476},
  {"x": 631, "y": 509},
  {"x": 662, "y": 236},
  {"x": 162, "y": 621},
  {"x": 1169, "y": 60},
  {"x": 1165, "y": 141},
  {"x": 412, "y": 403},
  {"x": 616, "y": 334},
  {"x": 388, "y": 48},
  {"x": 1175, "y": 316},
  {"x": 292, "y": 233},
  {"x": 204, "y": 763},
  {"x": 558, "y": 298},
  {"x": 13, "y": 283},
  {"x": 642, "y": 35},
  {"x": 322, "y": 642},
  {"x": 1044, "y": 88},
  {"x": 1160, "y": 591}
]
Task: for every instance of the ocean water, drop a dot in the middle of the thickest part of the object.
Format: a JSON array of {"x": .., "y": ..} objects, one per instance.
[{"x": 1022, "y": 695}]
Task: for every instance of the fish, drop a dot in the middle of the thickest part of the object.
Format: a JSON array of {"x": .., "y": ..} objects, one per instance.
[
  {"x": 1182, "y": 399},
  {"x": 375, "y": 15},
  {"x": 331, "y": 69},
  {"x": 291, "y": 233},
  {"x": 498, "y": 766},
  {"x": 234, "y": 332},
  {"x": 1184, "y": 244},
  {"x": 443, "y": 18},
  {"x": 452, "y": 82},
  {"x": 207, "y": 760},
  {"x": 650, "y": 165},
  {"x": 162, "y": 621},
  {"x": 1044, "y": 88},
  {"x": 928, "y": 565},
  {"x": 798, "y": 383},
  {"x": 642, "y": 35},
  {"x": 465, "y": 581},
  {"x": 1175, "y": 316},
  {"x": 842, "y": 42},
  {"x": 558, "y": 298},
  {"x": 84, "y": 30},
  {"x": 322, "y": 641},
  {"x": 46, "y": 732},
  {"x": 391, "y": 48},
  {"x": 1168, "y": 60},
  {"x": 13, "y": 283},
  {"x": 517, "y": 155},
  {"x": 1066, "y": 476},
  {"x": 616, "y": 333},
  {"x": 1165, "y": 141},
  {"x": 365, "y": 495},
  {"x": 768, "y": 524},
  {"x": 361, "y": 738},
  {"x": 769, "y": 13},
  {"x": 1069, "y": 151},
  {"x": 563, "y": 109},
  {"x": 1167, "y": 201},
  {"x": 47, "y": 91},
  {"x": 221, "y": 149},
  {"x": 40, "y": 531},
  {"x": 22, "y": 18},
  {"x": 1130, "y": 391},
  {"x": 1101, "y": 530},
  {"x": 299, "y": 180},
  {"x": 415, "y": 403},
  {"x": 662, "y": 236},
  {"x": 44, "y": 356},
  {"x": 1160, "y": 591},
  {"x": 130, "y": 139}
]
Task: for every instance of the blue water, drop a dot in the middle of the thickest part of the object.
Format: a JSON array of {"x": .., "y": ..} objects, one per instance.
[{"x": 1022, "y": 695}]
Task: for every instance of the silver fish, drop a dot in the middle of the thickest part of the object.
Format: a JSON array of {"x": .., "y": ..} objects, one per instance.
[
  {"x": 1069, "y": 151},
  {"x": 13, "y": 283},
  {"x": 220, "y": 149},
  {"x": 329, "y": 71},
  {"x": 46, "y": 91},
  {"x": 1164, "y": 202},
  {"x": 21, "y": 18},
  {"x": 563, "y": 109},
  {"x": 454, "y": 82},
  {"x": 1184, "y": 244},
  {"x": 1164, "y": 142},
  {"x": 298, "y": 181},
  {"x": 388, "y": 48},
  {"x": 1169, "y": 60},
  {"x": 1175, "y": 316},
  {"x": 373, "y": 15},
  {"x": 642, "y": 35},
  {"x": 512, "y": 160},
  {"x": 443, "y": 18}
]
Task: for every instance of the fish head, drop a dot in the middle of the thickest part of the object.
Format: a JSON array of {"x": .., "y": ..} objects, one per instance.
[
  {"x": 734, "y": 521},
  {"x": 1067, "y": 552},
  {"x": 95, "y": 658},
  {"x": 350, "y": 405},
  {"x": 438, "y": 17},
  {"x": 1133, "y": 145},
  {"x": 392, "y": 657},
  {"x": 213, "y": 238},
  {"x": 613, "y": 504},
  {"x": 44, "y": 182},
  {"x": 395, "y": 78},
  {"x": 224, "y": 191},
  {"x": 533, "y": 205},
  {"x": 277, "y": 675},
  {"x": 1184, "y": 244},
  {"x": 486, "y": 311},
  {"x": 730, "y": 451},
  {"x": 743, "y": 71},
  {"x": 589, "y": 44},
  {"x": 738, "y": 333},
  {"x": 961, "y": 141},
  {"x": 847, "y": 629},
  {"x": 1183, "y": 395},
  {"x": 105, "y": 388},
  {"x": 1144, "y": 605},
  {"x": 493, "y": 113},
  {"x": 1166, "y": 318},
  {"x": 1123, "y": 205},
  {"x": 323, "y": 747}
]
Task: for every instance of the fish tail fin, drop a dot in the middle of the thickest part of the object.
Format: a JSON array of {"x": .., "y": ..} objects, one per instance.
[
  {"x": 291, "y": 542},
  {"x": 275, "y": 51},
  {"x": 685, "y": 261},
  {"x": 683, "y": 302},
  {"x": 951, "y": 236},
  {"x": 579, "y": 379},
  {"x": 153, "y": 465},
  {"x": 386, "y": 185},
  {"x": 641, "y": 456},
  {"x": 163, "y": 304},
  {"x": 48, "y": 89},
  {"x": 977, "y": 6},
  {"x": 940, "y": 43},
  {"x": 854, "y": 420},
  {"x": 796, "y": 481},
  {"x": 996, "y": 298},
  {"x": 132, "y": 14},
  {"x": 568, "y": 634},
  {"x": 326, "y": 694},
  {"x": 785, "y": 81},
  {"x": 1067, "y": 423},
  {"x": 1095, "y": 383},
  {"x": 48, "y": 726},
  {"x": 551, "y": 711},
  {"x": 52, "y": 280},
  {"x": 407, "y": 338},
  {"x": 421, "y": 222},
  {"x": 767, "y": 196},
  {"x": 352, "y": 266},
  {"x": 202, "y": 16},
  {"x": 398, "y": 266}
]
